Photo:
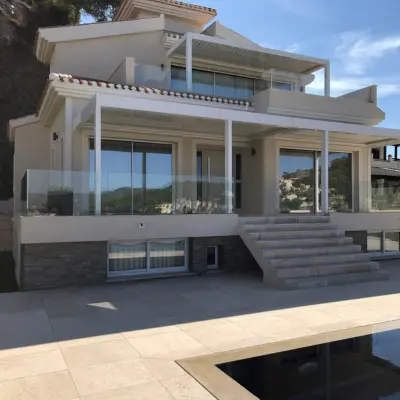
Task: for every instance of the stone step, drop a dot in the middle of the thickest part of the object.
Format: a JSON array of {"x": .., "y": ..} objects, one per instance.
[
  {"x": 311, "y": 251},
  {"x": 285, "y": 235},
  {"x": 302, "y": 243},
  {"x": 322, "y": 270},
  {"x": 287, "y": 219},
  {"x": 318, "y": 260},
  {"x": 263, "y": 227},
  {"x": 333, "y": 280}
]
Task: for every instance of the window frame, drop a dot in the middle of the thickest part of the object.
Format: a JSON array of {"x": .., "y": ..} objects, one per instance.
[
  {"x": 148, "y": 270},
  {"x": 291, "y": 83}
]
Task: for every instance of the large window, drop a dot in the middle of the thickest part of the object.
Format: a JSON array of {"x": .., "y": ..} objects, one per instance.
[
  {"x": 223, "y": 85},
  {"x": 129, "y": 258},
  {"x": 136, "y": 177},
  {"x": 384, "y": 242}
]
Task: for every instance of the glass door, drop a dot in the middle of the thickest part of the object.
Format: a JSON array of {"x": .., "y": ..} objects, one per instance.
[
  {"x": 136, "y": 177},
  {"x": 297, "y": 181},
  {"x": 300, "y": 181}
]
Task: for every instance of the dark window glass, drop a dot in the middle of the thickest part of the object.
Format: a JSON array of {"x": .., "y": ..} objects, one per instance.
[
  {"x": 212, "y": 256},
  {"x": 238, "y": 195},
  {"x": 238, "y": 167}
]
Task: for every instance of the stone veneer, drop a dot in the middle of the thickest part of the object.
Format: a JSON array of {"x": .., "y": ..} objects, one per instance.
[
  {"x": 233, "y": 254},
  {"x": 360, "y": 238},
  {"x": 52, "y": 265}
]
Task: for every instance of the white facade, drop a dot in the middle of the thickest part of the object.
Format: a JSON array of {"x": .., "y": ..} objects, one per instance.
[{"x": 224, "y": 112}]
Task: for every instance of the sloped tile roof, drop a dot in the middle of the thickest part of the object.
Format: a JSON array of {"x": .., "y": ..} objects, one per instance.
[{"x": 144, "y": 89}]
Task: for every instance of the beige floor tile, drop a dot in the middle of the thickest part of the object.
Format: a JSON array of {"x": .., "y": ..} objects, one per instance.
[
  {"x": 218, "y": 333},
  {"x": 312, "y": 318},
  {"x": 98, "y": 353},
  {"x": 29, "y": 349},
  {"x": 163, "y": 369},
  {"x": 186, "y": 388},
  {"x": 54, "y": 386},
  {"x": 31, "y": 364},
  {"x": 172, "y": 346},
  {"x": 89, "y": 340},
  {"x": 268, "y": 326},
  {"x": 146, "y": 391},
  {"x": 150, "y": 331},
  {"x": 117, "y": 375}
]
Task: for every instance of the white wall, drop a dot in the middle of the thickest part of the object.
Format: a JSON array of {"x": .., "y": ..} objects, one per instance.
[
  {"x": 374, "y": 221},
  {"x": 98, "y": 58},
  {"x": 52, "y": 229}
]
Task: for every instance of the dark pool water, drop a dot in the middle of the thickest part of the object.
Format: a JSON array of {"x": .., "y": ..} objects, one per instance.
[{"x": 363, "y": 368}]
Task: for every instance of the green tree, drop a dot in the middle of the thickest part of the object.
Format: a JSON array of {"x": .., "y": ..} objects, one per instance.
[{"x": 22, "y": 77}]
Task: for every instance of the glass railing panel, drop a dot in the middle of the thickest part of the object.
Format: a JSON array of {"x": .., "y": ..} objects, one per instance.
[{"x": 73, "y": 193}]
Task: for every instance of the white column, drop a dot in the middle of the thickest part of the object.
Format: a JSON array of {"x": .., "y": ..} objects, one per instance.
[
  {"x": 316, "y": 184},
  {"x": 97, "y": 157},
  {"x": 228, "y": 167},
  {"x": 324, "y": 172},
  {"x": 189, "y": 63},
  {"x": 67, "y": 142},
  {"x": 325, "y": 148},
  {"x": 327, "y": 80}
]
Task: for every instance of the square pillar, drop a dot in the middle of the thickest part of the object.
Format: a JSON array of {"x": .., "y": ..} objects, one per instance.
[
  {"x": 97, "y": 157},
  {"x": 189, "y": 63},
  {"x": 67, "y": 137},
  {"x": 325, "y": 173},
  {"x": 228, "y": 167}
]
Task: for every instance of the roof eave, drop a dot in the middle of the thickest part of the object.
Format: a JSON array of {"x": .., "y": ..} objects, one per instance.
[
  {"x": 13, "y": 124},
  {"x": 49, "y": 37}
]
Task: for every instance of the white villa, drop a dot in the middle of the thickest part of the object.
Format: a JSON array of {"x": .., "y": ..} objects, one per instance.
[{"x": 166, "y": 143}]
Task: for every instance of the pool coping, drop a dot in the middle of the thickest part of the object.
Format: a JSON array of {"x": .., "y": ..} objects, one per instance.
[{"x": 204, "y": 368}]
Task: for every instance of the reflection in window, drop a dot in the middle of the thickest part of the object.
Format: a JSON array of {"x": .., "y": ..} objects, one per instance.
[
  {"x": 124, "y": 257},
  {"x": 167, "y": 254},
  {"x": 374, "y": 242},
  {"x": 223, "y": 85},
  {"x": 203, "y": 82},
  {"x": 136, "y": 177}
]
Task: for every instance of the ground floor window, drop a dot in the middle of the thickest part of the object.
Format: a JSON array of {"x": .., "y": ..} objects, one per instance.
[
  {"x": 384, "y": 242},
  {"x": 142, "y": 257}
]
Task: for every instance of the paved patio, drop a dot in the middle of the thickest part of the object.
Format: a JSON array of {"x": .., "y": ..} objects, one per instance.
[{"x": 120, "y": 341}]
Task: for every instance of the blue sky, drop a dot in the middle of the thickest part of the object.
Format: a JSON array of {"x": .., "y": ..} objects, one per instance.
[{"x": 361, "y": 38}]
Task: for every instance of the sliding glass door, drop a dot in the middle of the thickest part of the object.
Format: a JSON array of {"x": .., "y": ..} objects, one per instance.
[
  {"x": 136, "y": 177},
  {"x": 300, "y": 181}
]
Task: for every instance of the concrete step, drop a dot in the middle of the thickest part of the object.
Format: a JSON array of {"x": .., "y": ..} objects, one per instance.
[
  {"x": 318, "y": 260},
  {"x": 285, "y": 235},
  {"x": 311, "y": 251},
  {"x": 263, "y": 227},
  {"x": 302, "y": 243},
  {"x": 333, "y": 280},
  {"x": 287, "y": 219},
  {"x": 322, "y": 270}
]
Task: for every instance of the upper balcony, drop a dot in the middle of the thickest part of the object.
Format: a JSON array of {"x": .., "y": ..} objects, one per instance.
[{"x": 272, "y": 81}]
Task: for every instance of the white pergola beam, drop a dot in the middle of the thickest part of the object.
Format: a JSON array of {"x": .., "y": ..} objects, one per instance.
[{"x": 156, "y": 104}]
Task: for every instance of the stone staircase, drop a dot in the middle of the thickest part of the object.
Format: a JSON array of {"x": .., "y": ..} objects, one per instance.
[{"x": 306, "y": 251}]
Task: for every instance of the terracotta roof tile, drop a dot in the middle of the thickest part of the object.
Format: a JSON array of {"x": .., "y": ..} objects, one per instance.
[
  {"x": 144, "y": 89},
  {"x": 182, "y": 4}
]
